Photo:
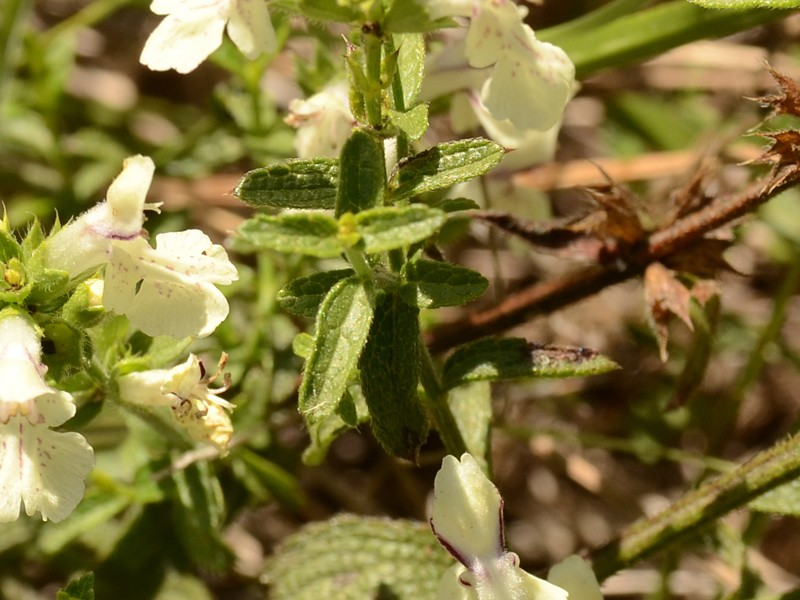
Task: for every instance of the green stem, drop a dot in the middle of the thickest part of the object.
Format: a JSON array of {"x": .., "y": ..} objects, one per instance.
[
  {"x": 698, "y": 508},
  {"x": 359, "y": 263},
  {"x": 435, "y": 399}
]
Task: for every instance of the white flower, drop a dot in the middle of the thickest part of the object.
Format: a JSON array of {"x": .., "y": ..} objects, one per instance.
[
  {"x": 192, "y": 30},
  {"x": 167, "y": 290},
  {"x": 40, "y": 468},
  {"x": 184, "y": 389},
  {"x": 323, "y": 122},
  {"x": 467, "y": 518}
]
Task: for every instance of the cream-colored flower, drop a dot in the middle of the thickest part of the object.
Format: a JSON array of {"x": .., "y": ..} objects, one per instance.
[
  {"x": 192, "y": 30},
  {"x": 185, "y": 390},
  {"x": 43, "y": 470},
  {"x": 323, "y": 122},
  {"x": 467, "y": 518},
  {"x": 167, "y": 290}
]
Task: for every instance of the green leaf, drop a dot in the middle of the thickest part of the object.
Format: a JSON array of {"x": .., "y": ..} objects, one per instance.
[
  {"x": 303, "y": 345},
  {"x": 9, "y": 246},
  {"x": 78, "y": 589},
  {"x": 198, "y": 513},
  {"x": 410, "y": 64},
  {"x": 432, "y": 284},
  {"x": 358, "y": 558},
  {"x": 362, "y": 173},
  {"x": 451, "y": 205},
  {"x": 414, "y": 122},
  {"x": 745, "y": 4},
  {"x": 390, "y": 227},
  {"x": 93, "y": 511},
  {"x": 343, "y": 324},
  {"x": 498, "y": 359},
  {"x": 471, "y": 405},
  {"x": 406, "y": 16},
  {"x": 782, "y": 500},
  {"x": 351, "y": 412},
  {"x": 444, "y": 165},
  {"x": 304, "y": 295},
  {"x": 325, "y": 10},
  {"x": 303, "y": 233},
  {"x": 307, "y": 184},
  {"x": 389, "y": 375},
  {"x": 267, "y": 478}
]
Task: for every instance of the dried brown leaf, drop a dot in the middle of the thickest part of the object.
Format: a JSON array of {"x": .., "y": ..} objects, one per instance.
[
  {"x": 784, "y": 102},
  {"x": 703, "y": 259},
  {"x": 665, "y": 295},
  {"x": 618, "y": 220},
  {"x": 784, "y": 154}
]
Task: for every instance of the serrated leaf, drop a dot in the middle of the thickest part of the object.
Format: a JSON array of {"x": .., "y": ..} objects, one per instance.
[
  {"x": 410, "y": 65},
  {"x": 198, "y": 514},
  {"x": 433, "y": 284},
  {"x": 301, "y": 233},
  {"x": 362, "y": 173},
  {"x": 390, "y": 227},
  {"x": 343, "y": 324},
  {"x": 78, "y": 589},
  {"x": 389, "y": 375},
  {"x": 307, "y": 184},
  {"x": 444, "y": 165},
  {"x": 782, "y": 500},
  {"x": 303, "y": 296},
  {"x": 746, "y": 4},
  {"x": 498, "y": 359},
  {"x": 358, "y": 558},
  {"x": 414, "y": 122}
]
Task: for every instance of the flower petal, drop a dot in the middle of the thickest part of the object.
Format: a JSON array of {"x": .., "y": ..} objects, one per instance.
[
  {"x": 183, "y": 40},
  {"x": 467, "y": 512},
  {"x": 43, "y": 469},
  {"x": 126, "y": 196},
  {"x": 576, "y": 576},
  {"x": 250, "y": 27}
]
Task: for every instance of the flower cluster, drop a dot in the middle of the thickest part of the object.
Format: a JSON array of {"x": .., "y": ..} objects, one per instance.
[{"x": 467, "y": 519}]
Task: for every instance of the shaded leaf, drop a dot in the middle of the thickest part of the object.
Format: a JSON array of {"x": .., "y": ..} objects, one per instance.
[
  {"x": 358, "y": 558},
  {"x": 390, "y": 227},
  {"x": 307, "y": 184},
  {"x": 444, "y": 165},
  {"x": 302, "y": 233},
  {"x": 343, "y": 324},
  {"x": 389, "y": 367},
  {"x": 78, "y": 589},
  {"x": 703, "y": 258},
  {"x": 362, "y": 173},
  {"x": 498, "y": 359},
  {"x": 303, "y": 296},
  {"x": 471, "y": 405},
  {"x": 665, "y": 295},
  {"x": 351, "y": 412},
  {"x": 433, "y": 284}
]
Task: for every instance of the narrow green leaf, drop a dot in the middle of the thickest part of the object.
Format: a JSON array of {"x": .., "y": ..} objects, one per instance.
[
  {"x": 390, "y": 227},
  {"x": 444, "y": 165},
  {"x": 451, "y": 205},
  {"x": 198, "y": 512},
  {"x": 307, "y": 184},
  {"x": 343, "y": 324},
  {"x": 414, "y": 122},
  {"x": 410, "y": 64},
  {"x": 362, "y": 173},
  {"x": 302, "y": 233},
  {"x": 745, "y": 4},
  {"x": 78, "y": 589},
  {"x": 432, "y": 284},
  {"x": 389, "y": 375},
  {"x": 9, "y": 246},
  {"x": 304, "y": 295},
  {"x": 358, "y": 558},
  {"x": 497, "y": 359}
]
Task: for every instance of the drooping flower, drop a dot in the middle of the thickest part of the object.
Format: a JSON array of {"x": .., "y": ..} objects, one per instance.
[
  {"x": 167, "y": 290},
  {"x": 323, "y": 122},
  {"x": 522, "y": 84},
  {"x": 185, "y": 390},
  {"x": 467, "y": 519},
  {"x": 192, "y": 30},
  {"x": 43, "y": 470}
]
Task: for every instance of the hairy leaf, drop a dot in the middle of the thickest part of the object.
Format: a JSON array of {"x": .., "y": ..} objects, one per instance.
[
  {"x": 390, "y": 227},
  {"x": 410, "y": 64},
  {"x": 444, "y": 165},
  {"x": 362, "y": 173},
  {"x": 414, "y": 122},
  {"x": 303, "y": 296},
  {"x": 303, "y": 233},
  {"x": 497, "y": 359},
  {"x": 295, "y": 183},
  {"x": 343, "y": 324},
  {"x": 432, "y": 284}
]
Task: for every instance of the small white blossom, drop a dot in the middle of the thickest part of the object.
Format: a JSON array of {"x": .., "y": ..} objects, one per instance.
[
  {"x": 192, "y": 30},
  {"x": 323, "y": 122},
  {"x": 467, "y": 518},
  {"x": 40, "y": 468},
  {"x": 167, "y": 290},
  {"x": 185, "y": 390}
]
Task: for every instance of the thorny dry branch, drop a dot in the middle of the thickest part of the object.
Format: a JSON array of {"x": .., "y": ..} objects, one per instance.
[{"x": 614, "y": 239}]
